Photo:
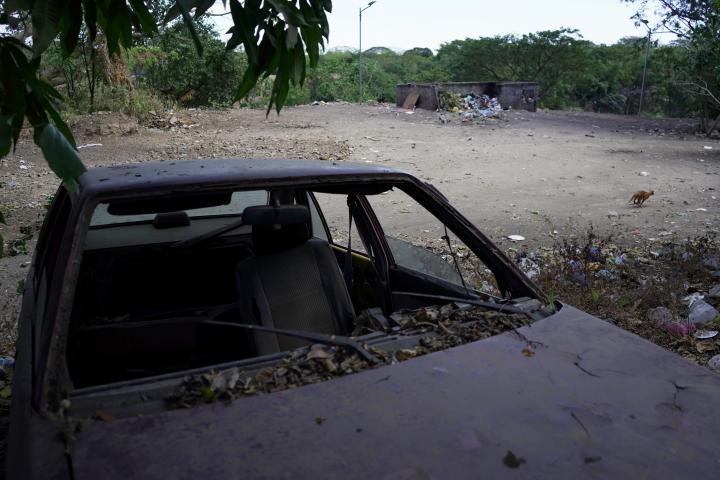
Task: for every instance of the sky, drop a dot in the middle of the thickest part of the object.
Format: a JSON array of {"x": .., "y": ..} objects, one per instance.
[{"x": 404, "y": 24}]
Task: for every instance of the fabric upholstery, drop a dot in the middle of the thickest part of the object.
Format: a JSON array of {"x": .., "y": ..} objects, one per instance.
[{"x": 298, "y": 288}]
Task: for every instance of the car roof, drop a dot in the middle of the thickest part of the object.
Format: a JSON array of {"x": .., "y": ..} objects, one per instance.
[{"x": 226, "y": 171}]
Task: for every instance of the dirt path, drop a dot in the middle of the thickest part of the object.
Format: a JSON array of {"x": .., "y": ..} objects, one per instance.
[{"x": 526, "y": 174}]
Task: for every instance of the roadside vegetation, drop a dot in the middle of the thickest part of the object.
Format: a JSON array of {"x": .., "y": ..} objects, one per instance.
[{"x": 573, "y": 73}]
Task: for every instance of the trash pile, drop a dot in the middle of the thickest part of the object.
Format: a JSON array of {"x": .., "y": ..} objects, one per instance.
[
  {"x": 439, "y": 327},
  {"x": 470, "y": 105},
  {"x": 167, "y": 121}
]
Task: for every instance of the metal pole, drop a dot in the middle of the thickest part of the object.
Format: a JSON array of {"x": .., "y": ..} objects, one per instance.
[
  {"x": 642, "y": 88},
  {"x": 360, "y": 10},
  {"x": 360, "y": 57}
]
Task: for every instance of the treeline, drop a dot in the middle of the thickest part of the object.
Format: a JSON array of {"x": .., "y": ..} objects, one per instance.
[{"x": 572, "y": 73}]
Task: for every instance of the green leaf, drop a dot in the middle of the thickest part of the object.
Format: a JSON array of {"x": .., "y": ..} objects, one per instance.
[
  {"x": 90, "y": 16},
  {"x": 187, "y": 19},
  {"x": 291, "y": 38},
  {"x": 5, "y": 137},
  {"x": 46, "y": 17},
  {"x": 70, "y": 27},
  {"x": 147, "y": 22},
  {"x": 249, "y": 80},
  {"x": 60, "y": 155},
  {"x": 243, "y": 32},
  {"x": 291, "y": 14},
  {"x": 203, "y": 6}
]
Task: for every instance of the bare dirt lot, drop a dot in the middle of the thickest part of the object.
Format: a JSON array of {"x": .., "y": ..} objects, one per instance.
[{"x": 525, "y": 173}]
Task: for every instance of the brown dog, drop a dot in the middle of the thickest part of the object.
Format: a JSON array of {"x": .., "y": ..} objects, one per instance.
[{"x": 640, "y": 196}]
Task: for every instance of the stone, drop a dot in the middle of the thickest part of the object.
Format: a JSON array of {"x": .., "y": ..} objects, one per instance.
[
  {"x": 714, "y": 363},
  {"x": 660, "y": 315},
  {"x": 702, "y": 312}
]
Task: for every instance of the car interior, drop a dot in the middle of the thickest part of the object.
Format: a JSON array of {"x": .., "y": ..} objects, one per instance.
[{"x": 168, "y": 285}]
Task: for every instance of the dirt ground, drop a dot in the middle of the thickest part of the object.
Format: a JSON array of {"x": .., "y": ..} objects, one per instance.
[{"x": 526, "y": 174}]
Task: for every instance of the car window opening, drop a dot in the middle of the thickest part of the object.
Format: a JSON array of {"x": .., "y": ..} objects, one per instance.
[{"x": 253, "y": 274}]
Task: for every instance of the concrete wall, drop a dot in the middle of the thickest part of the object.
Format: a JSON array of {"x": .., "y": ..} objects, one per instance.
[
  {"x": 516, "y": 95},
  {"x": 427, "y": 99}
]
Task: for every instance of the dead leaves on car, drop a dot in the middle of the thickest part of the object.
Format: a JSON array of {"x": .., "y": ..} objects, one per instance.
[{"x": 439, "y": 328}]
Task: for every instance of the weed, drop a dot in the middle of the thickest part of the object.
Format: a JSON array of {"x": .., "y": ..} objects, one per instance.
[{"x": 17, "y": 246}]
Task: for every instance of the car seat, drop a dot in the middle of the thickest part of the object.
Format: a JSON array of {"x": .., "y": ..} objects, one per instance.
[{"x": 292, "y": 281}]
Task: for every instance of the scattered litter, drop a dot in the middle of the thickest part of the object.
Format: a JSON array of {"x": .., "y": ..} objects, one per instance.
[
  {"x": 701, "y": 209},
  {"x": 168, "y": 122},
  {"x": 692, "y": 298},
  {"x": 705, "y": 334},
  {"x": 714, "y": 291},
  {"x": 6, "y": 362},
  {"x": 613, "y": 213},
  {"x": 643, "y": 174},
  {"x": 606, "y": 274},
  {"x": 88, "y": 145},
  {"x": 516, "y": 238},
  {"x": 707, "y": 147},
  {"x": 529, "y": 268}
]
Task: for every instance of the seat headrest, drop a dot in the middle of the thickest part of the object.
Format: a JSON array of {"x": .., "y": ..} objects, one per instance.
[
  {"x": 269, "y": 215},
  {"x": 277, "y": 228}
]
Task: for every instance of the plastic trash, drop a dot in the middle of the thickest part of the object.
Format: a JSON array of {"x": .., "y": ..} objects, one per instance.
[
  {"x": 6, "y": 362},
  {"x": 665, "y": 320},
  {"x": 620, "y": 259},
  {"x": 516, "y": 238},
  {"x": 606, "y": 274},
  {"x": 705, "y": 334},
  {"x": 692, "y": 298},
  {"x": 529, "y": 268}
]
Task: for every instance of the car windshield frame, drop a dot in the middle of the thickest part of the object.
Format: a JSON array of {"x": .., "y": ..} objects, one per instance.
[{"x": 54, "y": 381}]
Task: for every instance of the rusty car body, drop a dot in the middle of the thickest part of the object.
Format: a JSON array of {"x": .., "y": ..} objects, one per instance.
[{"x": 122, "y": 301}]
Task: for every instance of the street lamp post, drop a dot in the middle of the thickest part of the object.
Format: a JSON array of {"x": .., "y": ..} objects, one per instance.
[
  {"x": 360, "y": 81},
  {"x": 647, "y": 51}
]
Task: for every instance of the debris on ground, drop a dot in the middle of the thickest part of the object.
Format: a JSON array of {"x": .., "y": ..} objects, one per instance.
[
  {"x": 666, "y": 292},
  {"x": 167, "y": 121},
  {"x": 439, "y": 328}
]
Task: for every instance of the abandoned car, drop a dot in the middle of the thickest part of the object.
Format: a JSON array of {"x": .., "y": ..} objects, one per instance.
[{"x": 287, "y": 319}]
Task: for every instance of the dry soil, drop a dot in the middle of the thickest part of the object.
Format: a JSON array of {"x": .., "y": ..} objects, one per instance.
[{"x": 526, "y": 174}]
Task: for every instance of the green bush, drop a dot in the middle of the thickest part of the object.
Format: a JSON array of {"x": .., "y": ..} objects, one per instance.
[{"x": 171, "y": 66}]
